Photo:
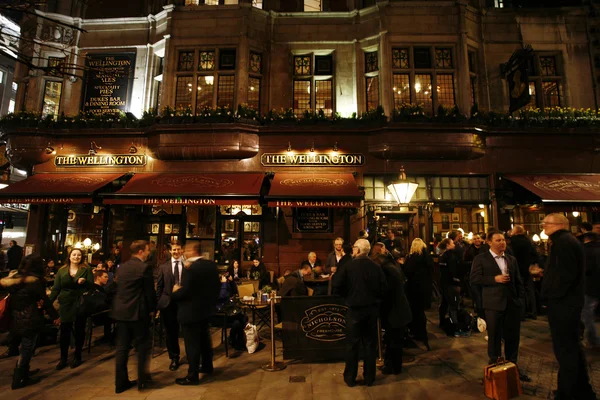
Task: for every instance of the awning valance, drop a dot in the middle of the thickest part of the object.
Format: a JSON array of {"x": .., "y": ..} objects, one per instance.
[
  {"x": 325, "y": 190},
  {"x": 190, "y": 189},
  {"x": 56, "y": 188},
  {"x": 561, "y": 188}
]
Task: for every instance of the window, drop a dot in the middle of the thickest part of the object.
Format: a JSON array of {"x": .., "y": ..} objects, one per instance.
[
  {"x": 254, "y": 79},
  {"x": 459, "y": 188},
  {"x": 1, "y": 77},
  {"x": 313, "y": 84},
  {"x": 473, "y": 76},
  {"x": 205, "y": 78},
  {"x": 499, "y": 3},
  {"x": 312, "y": 5},
  {"x": 417, "y": 70},
  {"x": 52, "y": 94},
  {"x": 372, "y": 79},
  {"x": 376, "y": 187},
  {"x": 55, "y": 66},
  {"x": 545, "y": 81}
]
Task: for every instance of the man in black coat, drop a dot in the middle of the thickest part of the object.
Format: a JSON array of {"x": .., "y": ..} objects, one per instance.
[
  {"x": 591, "y": 243},
  {"x": 133, "y": 309},
  {"x": 14, "y": 255},
  {"x": 563, "y": 286},
  {"x": 197, "y": 302},
  {"x": 364, "y": 286},
  {"x": 526, "y": 255},
  {"x": 169, "y": 275},
  {"x": 502, "y": 290},
  {"x": 293, "y": 285}
]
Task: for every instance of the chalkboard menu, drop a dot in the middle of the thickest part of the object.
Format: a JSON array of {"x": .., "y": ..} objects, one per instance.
[
  {"x": 313, "y": 220},
  {"x": 109, "y": 79}
]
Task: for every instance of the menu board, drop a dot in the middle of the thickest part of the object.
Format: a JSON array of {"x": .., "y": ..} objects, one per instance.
[
  {"x": 312, "y": 220},
  {"x": 109, "y": 79}
]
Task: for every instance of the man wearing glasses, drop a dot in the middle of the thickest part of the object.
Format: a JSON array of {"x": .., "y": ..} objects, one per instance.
[{"x": 563, "y": 288}]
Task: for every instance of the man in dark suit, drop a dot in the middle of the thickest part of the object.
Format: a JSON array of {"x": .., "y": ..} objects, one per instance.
[
  {"x": 14, "y": 255},
  {"x": 169, "y": 275},
  {"x": 364, "y": 286},
  {"x": 502, "y": 291},
  {"x": 197, "y": 302},
  {"x": 293, "y": 285},
  {"x": 564, "y": 288},
  {"x": 526, "y": 255},
  {"x": 314, "y": 263},
  {"x": 133, "y": 309}
]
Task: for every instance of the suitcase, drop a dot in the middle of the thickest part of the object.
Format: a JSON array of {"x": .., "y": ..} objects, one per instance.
[{"x": 501, "y": 380}]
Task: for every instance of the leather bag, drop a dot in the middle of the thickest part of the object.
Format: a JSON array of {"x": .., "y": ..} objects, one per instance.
[{"x": 501, "y": 380}]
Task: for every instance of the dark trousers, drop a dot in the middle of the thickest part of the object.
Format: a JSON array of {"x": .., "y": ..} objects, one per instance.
[
  {"x": 418, "y": 325},
  {"x": 127, "y": 331},
  {"x": 449, "y": 304},
  {"x": 573, "y": 379},
  {"x": 478, "y": 300},
  {"x": 394, "y": 343},
  {"x": 198, "y": 344},
  {"x": 76, "y": 328},
  {"x": 27, "y": 349},
  {"x": 361, "y": 330},
  {"x": 504, "y": 325},
  {"x": 530, "y": 300},
  {"x": 169, "y": 320}
]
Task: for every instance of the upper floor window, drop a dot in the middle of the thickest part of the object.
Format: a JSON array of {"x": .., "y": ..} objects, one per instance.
[
  {"x": 418, "y": 70},
  {"x": 55, "y": 66},
  {"x": 545, "y": 81},
  {"x": 499, "y": 3},
  {"x": 205, "y": 78},
  {"x": 372, "y": 79},
  {"x": 473, "y": 78},
  {"x": 376, "y": 187},
  {"x": 254, "y": 80},
  {"x": 313, "y": 83},
  {"x": 312, "y": 5}
]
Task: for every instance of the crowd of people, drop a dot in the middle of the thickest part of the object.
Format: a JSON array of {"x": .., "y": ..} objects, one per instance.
[{"x": 503, "y": 274}]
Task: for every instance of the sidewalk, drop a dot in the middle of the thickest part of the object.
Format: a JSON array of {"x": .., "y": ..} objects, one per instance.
[{"x": 452, "y": 370}]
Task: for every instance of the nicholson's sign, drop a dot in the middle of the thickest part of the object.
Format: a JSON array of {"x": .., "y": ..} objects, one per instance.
[
  {"x": 325, "y": 323},
  {"x": 311, "y": 159},
  {"x": 108, "y": 160}
]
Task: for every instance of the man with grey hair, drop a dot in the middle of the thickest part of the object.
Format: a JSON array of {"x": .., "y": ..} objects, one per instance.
[
  {"x": 364, "y": 285},
  {"x": 563, "y": 287}
]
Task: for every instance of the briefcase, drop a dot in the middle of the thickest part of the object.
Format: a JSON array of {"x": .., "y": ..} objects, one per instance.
[{"x": 501, "y": 380}]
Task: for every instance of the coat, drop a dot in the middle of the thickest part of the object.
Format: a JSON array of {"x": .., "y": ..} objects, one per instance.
[
  {"x": 69, "y": 292},
  {"x": 14, "y": 255},
  {"x": 564, "y": 275},
  {"x": 525, "y": 253},
  {"x": 395, "y": 309},
  {"x": 293, "y": 286},
  {"x": 135, "y": 298},
  {"x": 26, "y": 319},
  {"x": 165, "y": 283},
  {"x": 495, "y": 296},
  {"x": 197, "y": 298},
  {"x": 418, "y": 269},
  {"x": 592, "y": 269},
  {"x": 361, "y": 282}
]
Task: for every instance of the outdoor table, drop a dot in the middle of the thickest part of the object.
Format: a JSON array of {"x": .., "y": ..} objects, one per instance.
[{"x": 260, "y": 309}]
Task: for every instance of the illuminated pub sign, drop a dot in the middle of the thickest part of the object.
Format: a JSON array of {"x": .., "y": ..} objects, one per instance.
[
  {"x": 108, "y": 82},
  {"x": 104, "y": 160},
  {"x": 311, "y": 159}
]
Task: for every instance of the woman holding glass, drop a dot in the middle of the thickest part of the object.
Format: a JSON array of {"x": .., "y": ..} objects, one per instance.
[{"x": 70, "y": 283}]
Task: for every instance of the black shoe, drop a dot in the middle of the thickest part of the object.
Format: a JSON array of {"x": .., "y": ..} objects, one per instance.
[
  {"x": 350, "y": 382},
  {"x": 18, "y": 380},
  {"x": 125, "y": 387},
  {"x": 523, "y": 377},
  {"x": 174, "y": 364},
  {"x": 61, "y": 364},
  {"x": 187, "y": 381},
  {"x": 75, "y": 363}
]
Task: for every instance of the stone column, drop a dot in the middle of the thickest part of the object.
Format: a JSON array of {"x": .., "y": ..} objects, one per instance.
[{"x": 463, "y": 81}]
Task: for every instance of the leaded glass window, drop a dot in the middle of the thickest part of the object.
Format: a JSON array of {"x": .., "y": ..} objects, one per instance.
[
  {"x": 443, "y": 58},
  {"x": 371, "y": 62},
  {"x": 548, "y": 66},
  {"x": 186, "y": 61},
  {"x": 207, "y": 61},
  {"x": 400, "y": 58},
  {"x": 255, "y": 63},
  {"x": 302, "y": 65}
]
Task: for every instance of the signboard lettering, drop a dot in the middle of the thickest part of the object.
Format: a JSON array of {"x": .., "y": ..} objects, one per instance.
[
  {"x": 182, "y": 201},
  {"x": 110, "y": 160},
  {"x": 311, "y": 159},
  {"x": 325, "y": 323},
  {"x": 108, "y": 82},
  {"x": 312, "y": 220},
  {"x": 319, "y": 203},
  {"x": 46, "y": 200}
]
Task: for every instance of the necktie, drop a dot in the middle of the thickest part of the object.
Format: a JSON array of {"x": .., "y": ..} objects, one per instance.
[{"x": 177, "y": 272}]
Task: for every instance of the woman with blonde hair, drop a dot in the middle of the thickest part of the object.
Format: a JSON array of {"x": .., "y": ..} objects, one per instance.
[
  {"x": 418, "y": 268},
  {"x": 71, "y": 281}
]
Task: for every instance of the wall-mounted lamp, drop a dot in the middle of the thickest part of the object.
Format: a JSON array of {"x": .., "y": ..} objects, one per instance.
[
  {"x": 132, "y": 149},
  {"x": 576, "y": 214},
  {"x": 335, "y": 147},
  {"x": 403, "y": 190},
  {"x": 312, "y": 148},
  {"x": 289, "y": 149},
  {"x": 93, "y": 148},
  {"x": 49, "y": 149}
]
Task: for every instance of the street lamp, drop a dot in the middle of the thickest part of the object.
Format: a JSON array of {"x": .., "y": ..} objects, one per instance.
[{"x": 403, "y": 190}]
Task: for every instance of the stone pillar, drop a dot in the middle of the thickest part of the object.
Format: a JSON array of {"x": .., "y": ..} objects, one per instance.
[
  {"x": 385, "y": 74},
  {"x": 463, "y": 81},
  {"x": 243, "y": 62}
]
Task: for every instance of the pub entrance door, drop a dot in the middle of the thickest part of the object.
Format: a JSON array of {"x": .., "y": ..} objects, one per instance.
[
  {"x": 161, "y": 231},
  {"x": 402, "y": 225}
]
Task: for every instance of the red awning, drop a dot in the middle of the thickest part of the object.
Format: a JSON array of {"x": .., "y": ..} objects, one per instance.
[
  {"x": 314, "y": 190},
  {"x": 561, "y": 188},
  {"x": 56, "y": 188},
  {"x": 190, "y": 189}
]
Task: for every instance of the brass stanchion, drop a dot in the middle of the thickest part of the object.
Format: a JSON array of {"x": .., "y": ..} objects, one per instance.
[
  {"x": 273, "y": 365},
  {"x": 380, "y": 361}
]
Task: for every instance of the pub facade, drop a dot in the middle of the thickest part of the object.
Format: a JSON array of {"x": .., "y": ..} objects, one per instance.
[{"x": 279, "y": 127}]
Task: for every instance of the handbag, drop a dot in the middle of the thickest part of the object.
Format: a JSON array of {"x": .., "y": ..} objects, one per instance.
[
  {"x": 4, "y": 313},
  {"x": 231, "y": 309},
  {"x": 501, "y": 380}
]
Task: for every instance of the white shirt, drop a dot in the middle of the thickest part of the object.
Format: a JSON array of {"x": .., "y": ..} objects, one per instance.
[
  {"x": 501, "y": 261},
  {"x": 179, "y": 266}
]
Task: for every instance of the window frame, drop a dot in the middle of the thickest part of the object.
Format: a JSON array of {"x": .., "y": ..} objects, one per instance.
[
  {"x": 433, "y": 72},
  {"x": 312, "y": 78},
  {"x": 196, "y": 73},
  {"x": 538, "y": 79},
  {"x": 255, "y": 75},
  {"x": 57, "y": 81}
]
